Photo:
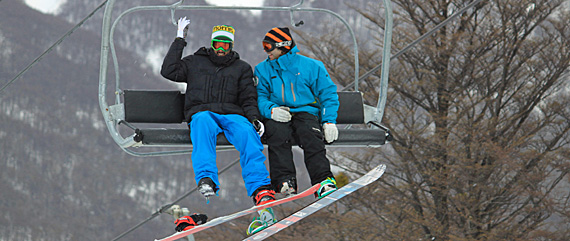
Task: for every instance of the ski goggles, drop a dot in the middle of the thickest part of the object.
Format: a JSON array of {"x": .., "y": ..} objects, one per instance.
[
  {"x": 223, "y": 45},
  {"x": 270, "y": 46}
]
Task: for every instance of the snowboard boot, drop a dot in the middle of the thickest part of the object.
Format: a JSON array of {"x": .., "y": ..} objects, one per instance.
[
  {"x": 207, "y": 188},
  {"x": 288, "y": 187},
  {"x": 327, "y": 187},
  {"x": 263, "y": 195}
]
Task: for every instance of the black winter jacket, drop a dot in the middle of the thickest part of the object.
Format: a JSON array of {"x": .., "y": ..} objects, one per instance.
[{"x": 223, "y": 88}]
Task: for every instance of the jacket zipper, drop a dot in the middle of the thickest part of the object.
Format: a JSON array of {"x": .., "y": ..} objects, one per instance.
[
  {"x": 222, "y": 91},
  {"x": 293, "y": 91},
  {"x": 283, "y": 93}
]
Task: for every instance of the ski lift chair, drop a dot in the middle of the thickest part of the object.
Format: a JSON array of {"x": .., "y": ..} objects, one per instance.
[
  {"x": 147, "y": 106},
  {"x": 163, "y": 107}
]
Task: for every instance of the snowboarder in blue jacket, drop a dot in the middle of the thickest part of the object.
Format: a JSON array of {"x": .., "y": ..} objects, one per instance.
[{"x": 299, "y": 102}]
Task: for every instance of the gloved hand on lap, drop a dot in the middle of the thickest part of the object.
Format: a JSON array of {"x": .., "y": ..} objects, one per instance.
[
  {"x": 331, "y": 132},
  {"x": 281, "y": 114},
  {"x": 259, "y": 127}
]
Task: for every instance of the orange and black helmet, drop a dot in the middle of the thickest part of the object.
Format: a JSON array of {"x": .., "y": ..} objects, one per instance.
[{"x": 278, "y": 38}]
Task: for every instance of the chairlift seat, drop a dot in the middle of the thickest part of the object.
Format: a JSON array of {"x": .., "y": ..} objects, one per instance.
[{"x": 150, "y": 106}]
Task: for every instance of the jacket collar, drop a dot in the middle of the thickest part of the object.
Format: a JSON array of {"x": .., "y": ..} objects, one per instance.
[
  {"x": 284, "y": 60},
  {"x": 218, "y": 60}
]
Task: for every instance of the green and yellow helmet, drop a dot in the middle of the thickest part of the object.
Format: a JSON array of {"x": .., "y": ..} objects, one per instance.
[{"x": 223, "y": 34}]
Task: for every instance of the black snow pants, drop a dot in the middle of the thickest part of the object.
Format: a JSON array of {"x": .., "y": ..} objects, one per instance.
[{"x": 305, "y": 129}]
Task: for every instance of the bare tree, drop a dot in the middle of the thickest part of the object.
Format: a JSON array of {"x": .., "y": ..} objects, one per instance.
[{"x": 480, "y": 112}]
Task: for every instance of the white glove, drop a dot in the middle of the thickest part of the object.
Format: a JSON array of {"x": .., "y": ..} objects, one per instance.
[
  {"x": 183, "y": 24},
  {"x": 259, "y": 127},
  {"x": 280, "y": 114},
  {"x": 331, "y": 132}
]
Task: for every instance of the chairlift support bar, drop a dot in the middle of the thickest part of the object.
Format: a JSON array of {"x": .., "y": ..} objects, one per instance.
[
  {"x": 177, "y": 6},
  {"x": 114, "y": 114}
]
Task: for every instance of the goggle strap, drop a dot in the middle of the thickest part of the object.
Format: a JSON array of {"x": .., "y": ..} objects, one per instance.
[
  {"x": 283, "y": 44},
  {"x": 223, "y": 41}
]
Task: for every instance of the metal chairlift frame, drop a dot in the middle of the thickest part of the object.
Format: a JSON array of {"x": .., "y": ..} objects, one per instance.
[{"x": 115, "y": 114}]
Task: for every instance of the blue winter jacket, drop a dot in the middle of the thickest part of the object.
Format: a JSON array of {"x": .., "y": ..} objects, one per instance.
[{"x": 298, "y": 82}]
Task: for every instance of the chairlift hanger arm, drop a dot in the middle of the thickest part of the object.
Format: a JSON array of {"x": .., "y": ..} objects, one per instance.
[
  {"x": 175, "y": 6},
  {"x": 178, "y": 6},
  {"x": 173, "y": 11}
]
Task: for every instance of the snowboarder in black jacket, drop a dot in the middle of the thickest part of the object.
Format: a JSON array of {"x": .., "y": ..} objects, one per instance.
[{"x": 220, "y": 97}]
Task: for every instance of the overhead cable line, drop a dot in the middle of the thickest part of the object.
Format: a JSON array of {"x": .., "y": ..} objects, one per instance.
[
  {"x": 53, "y": 46},
  {"x": 409, "y": 46}
]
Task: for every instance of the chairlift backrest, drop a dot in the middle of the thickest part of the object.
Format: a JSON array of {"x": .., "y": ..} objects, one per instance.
[{"x": 148, "y": 106}]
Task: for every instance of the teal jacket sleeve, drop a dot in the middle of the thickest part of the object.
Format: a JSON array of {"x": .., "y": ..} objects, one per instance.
[
  {"x": 325, "y": 91},
  {"x": 263, "y": 93}
]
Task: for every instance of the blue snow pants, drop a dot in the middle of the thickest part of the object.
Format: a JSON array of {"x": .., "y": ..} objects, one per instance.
[{"x": 204, "y": 128}]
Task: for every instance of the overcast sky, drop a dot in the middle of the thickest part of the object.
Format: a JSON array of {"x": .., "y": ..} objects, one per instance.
[{"x": 51, "y": 6}]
